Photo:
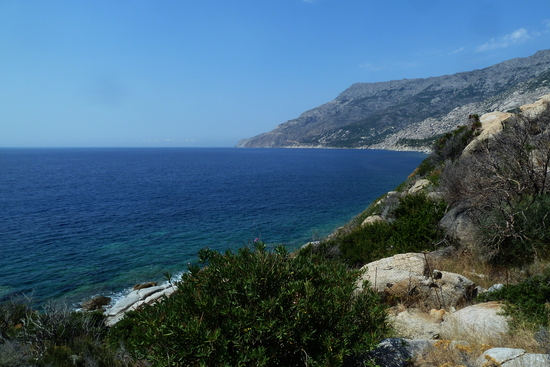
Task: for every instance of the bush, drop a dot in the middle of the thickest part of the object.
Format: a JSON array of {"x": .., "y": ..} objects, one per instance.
[
  {"x": 516, "y": 235},
  {"x": 55, "y": 337},
  {"x": 415, "y": 228},
  {"x": 505, "y": 185},
  {"x": 257, "y": 307},
  {"x": 449, "y": 147},
  {"x": 527, "y": 302}
]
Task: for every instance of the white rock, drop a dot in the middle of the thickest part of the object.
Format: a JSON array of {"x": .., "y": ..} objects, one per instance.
[
  {"x": 491, "y": 124},
  {"x": 135, "y": 299},
  {"x": 536, "y": 108},
  {"x": 435, "y": 196},
  {"x": 500, "y": 355},
  {"x": 406, "y": 277},
  {"x": 415, "y": 324},
  {"x": 392, "y": 270},
  {"x": 372, "y": 219},
  {"x": 481, "y": 321},
  {"x": 419, "y": 185}
]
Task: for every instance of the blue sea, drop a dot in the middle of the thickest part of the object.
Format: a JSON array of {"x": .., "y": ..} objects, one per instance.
[{"x": 75, "y": 223}]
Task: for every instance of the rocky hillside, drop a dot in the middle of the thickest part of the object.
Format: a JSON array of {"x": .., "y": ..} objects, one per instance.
[
  {"x": 459, "y": 251},
  {"x": 409, "y": 114}
]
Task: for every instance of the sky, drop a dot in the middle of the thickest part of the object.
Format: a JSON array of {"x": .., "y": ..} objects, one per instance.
[{"x": 207, "y": 73}]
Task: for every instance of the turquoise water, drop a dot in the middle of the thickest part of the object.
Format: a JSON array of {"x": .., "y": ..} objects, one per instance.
[{"x": 82, "y": 222}]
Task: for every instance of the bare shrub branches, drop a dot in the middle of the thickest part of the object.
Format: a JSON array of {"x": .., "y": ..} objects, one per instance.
[{"x": 504, "y": 184}]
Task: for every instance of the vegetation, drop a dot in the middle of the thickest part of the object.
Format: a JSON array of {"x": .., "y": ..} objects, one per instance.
[
  {"x": 414, "y": 228},
  {"x": 55, "y": 337},
  {"x": 527, "y": 301},
  {"x": 257, "y": 308},
  {"x": 505, "y": 186}
]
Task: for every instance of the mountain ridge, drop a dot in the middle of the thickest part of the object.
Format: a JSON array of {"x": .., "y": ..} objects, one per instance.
[{"x": 408, "y": 114}]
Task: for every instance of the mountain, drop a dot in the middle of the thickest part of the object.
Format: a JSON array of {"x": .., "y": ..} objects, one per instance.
[{"x": 409, "y": 114}]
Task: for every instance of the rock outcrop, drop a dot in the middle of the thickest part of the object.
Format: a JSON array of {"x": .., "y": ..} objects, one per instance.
[
  {"x": 491, "y": 124},
  {"x": 137, "y": 298},
  {"x": 484, "y": 321},
  {"x": 409, "y": 279},
  {"x": 458, "y": 224},
  {"x": 413, "y": 323},
  {"x": 96, "y": 303},
  {"x": 508, "y": 357}
]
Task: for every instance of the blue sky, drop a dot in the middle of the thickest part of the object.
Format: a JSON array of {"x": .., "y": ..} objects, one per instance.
[{"x": 131, "y": 73}]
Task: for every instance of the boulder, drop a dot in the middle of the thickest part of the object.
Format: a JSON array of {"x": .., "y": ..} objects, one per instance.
[
  {"x": 372, "y": 219},
  {"x": 495, "y": 287},
  {"x": 451, "y": 289},
  {"x": 405, "y": 278},
  {"x": 396, "y": 352},
  {"x": 391, "y": 270},
  {"x": 418, "y": 186},
  {"x": 491, "y": 124},
  {"x": 145, "y": 285},
  {"x": 95, "y": 303},
  {"x": 435, "y": 196},
  {"x": 458, "y": 224},
  {"x": 481, "y": 321},
  {"x": 389, "y": 202},
  {"x": 415, "y": 324},
  {"x": 507, "y": 357}
]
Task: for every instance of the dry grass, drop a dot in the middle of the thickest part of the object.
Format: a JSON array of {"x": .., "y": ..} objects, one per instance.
[
  {"x": 447, "y": 353},
  {"x": 468, "y": 264}
]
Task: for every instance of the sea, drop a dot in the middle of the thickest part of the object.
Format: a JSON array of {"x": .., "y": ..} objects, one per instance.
[{"x": 81, "y": 222}]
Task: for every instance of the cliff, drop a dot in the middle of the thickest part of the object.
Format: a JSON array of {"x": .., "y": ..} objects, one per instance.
[{"x": 410, "y": 114}]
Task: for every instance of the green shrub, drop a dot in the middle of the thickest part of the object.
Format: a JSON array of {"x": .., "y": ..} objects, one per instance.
[
  {"x": 425, "y": 167},
  {"x": 366, "y": 244},
  {"x": 416, "y": 225},
  {"x": 527, "y": 303},
  {"x": 451, "y": 145},
  {"x": 448, "y": 147},
  {"x": 257, "y": 308},
  {"x": 415, "y": 228}
]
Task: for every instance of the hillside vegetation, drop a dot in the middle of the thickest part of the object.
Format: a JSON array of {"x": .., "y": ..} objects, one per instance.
[{"x": 262, "y": 306}]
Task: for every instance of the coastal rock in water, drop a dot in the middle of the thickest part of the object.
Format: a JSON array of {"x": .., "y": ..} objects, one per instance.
[
  {"x": 481, "y": 321},
  {"x": 137, "y": 298},
  {"x": 95, "y": 303},
  {"x": 145, "y": 285}
]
